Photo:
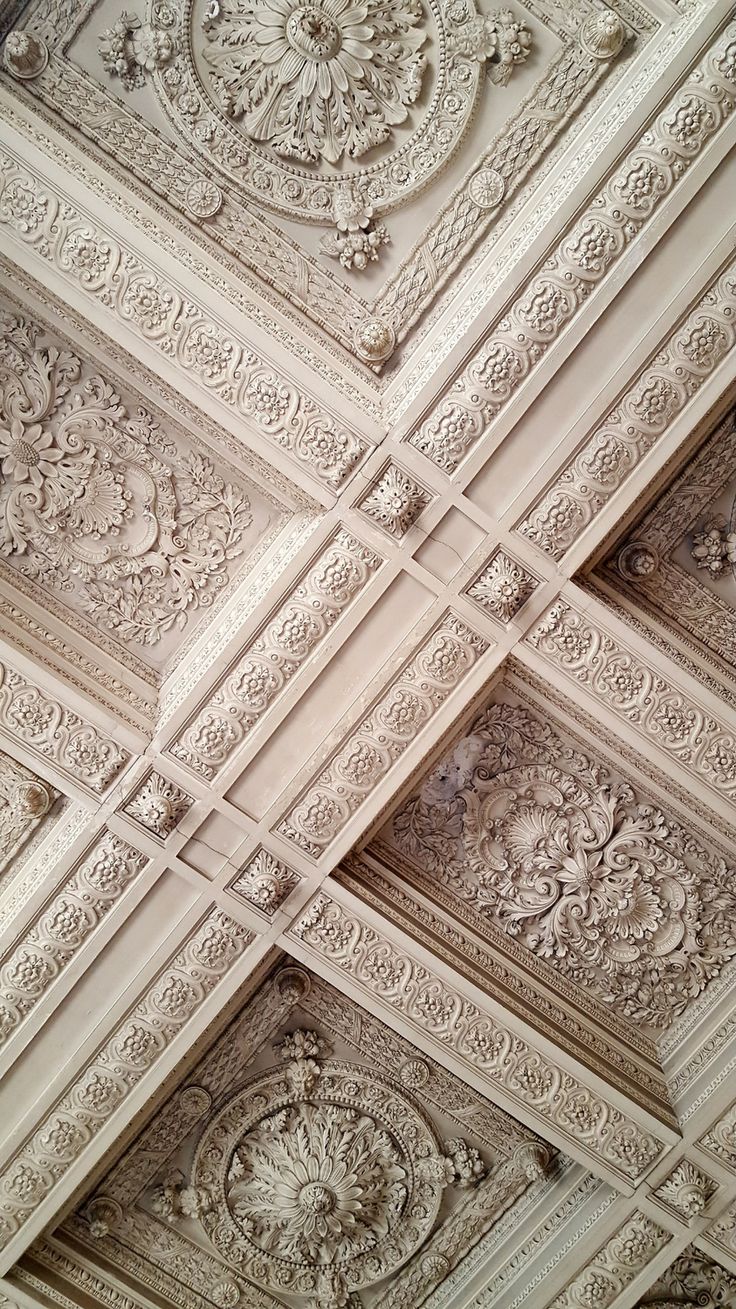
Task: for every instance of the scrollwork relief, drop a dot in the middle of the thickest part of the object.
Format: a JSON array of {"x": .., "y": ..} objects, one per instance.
[
  {"x": 638, "y": 421},
  {"x": 174, "y": 325},
  {"x": 694, "y": 1279},
  {"x": 97, "y": 505},
  {"x": 581, "y": 260},
  {"x": 66, "y": 922},
  {"x": 133, "y": 1048},
  {"x": 615, "y": 1265},
  {"x": 658, "y": 710},
  {"x": 608, "y": 889},
  {"x": 269, "y": 662},
  {"x": 55, "y": 733}
]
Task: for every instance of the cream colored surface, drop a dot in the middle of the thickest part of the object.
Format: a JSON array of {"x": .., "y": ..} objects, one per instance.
[{"x": 367, "y": 681}]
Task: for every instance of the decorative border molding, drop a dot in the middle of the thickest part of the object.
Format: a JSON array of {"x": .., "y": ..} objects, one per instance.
[
  {"x": 372, "y": 748},
  {"x": 175, "y": 994},
  {"x": 633, "y": 693},
  {"x": 488, "y": 1297},
  {"x": 554, "y": 1097},
  {"x": 486, "y": 968},
  {"x": 637, "y": 422},
  {"x": 614, "y": 1267},
  {"x": 175, "y": 325},
  {"x": 581, "y": 260},
  {"x": 281, "y": 646},
  {"x": 52, "y": 732},
  {"x": 62, "y": 926}
]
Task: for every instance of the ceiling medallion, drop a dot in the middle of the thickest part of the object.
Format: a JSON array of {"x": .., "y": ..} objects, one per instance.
[
  {"x": 308, "y": 107},
  {"x": 321, "y": 1177}
]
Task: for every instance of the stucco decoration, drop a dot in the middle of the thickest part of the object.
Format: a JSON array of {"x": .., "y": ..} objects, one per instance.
[
  {"x": 323, "y": 1179},
  {"x": 287, "y": 95},
  {"x": 692, "y": 1279},
  {"x": 296, "y": 1163},
  {"x": 576, "y": 867},
  {"x": 97, "y": 504},
  {"x": 25, "y": 801}
]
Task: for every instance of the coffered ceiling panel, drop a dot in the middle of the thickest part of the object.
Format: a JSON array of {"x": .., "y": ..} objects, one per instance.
[{"x": 367, "y": 691}]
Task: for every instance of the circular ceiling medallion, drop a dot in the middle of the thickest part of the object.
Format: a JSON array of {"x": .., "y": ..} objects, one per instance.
[
  {"x": 324, "y": 1178},
  {"x": 292, "y": 101}
]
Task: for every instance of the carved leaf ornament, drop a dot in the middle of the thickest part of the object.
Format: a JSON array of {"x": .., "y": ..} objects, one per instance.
[
  {"x": 87, "y": 506},
  {"x": 609, "y": 890},
  {"x": 288, "y": 94},
  {"x": 323, "y": 1177}
]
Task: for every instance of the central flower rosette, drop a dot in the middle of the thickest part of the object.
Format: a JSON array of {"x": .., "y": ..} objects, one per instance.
[
  {"x": 316, "y": 1182},
  {"x": 321, "y": 79}
]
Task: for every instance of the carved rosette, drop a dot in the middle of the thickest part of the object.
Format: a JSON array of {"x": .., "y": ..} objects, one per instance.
[
  {"x": 324, "y": 1178},
  {"x": 287, "y": 94}
]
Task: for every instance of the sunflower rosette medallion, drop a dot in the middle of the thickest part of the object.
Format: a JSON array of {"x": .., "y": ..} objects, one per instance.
[
  {"x": 325, "y": 1176},
  {"x": 318, "y": 80}
]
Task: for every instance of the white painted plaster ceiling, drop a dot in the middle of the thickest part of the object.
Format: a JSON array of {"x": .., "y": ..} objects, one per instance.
[{"x": 367, "y": 655}]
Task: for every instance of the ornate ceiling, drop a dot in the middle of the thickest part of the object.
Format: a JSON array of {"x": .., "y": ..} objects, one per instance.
[{"x": 368, "y": 655}]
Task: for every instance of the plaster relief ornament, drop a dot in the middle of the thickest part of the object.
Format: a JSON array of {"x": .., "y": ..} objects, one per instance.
[
  {"x": 89, "y": 508},
  {"x": 288, "y": 98},
  {"x": 130, "y": 49},
  {"x": 357, "y": 239},
  {"x": 323, "y": 1177},
  {"x": 321, "y": 79},
  {"x": 24, "y": 55},
  {"x": 714, "y": 548},
  {"x": 608, "y": 889}
]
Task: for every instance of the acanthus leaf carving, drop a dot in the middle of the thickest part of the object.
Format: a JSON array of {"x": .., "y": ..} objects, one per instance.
[
  {"x": 159, "y": 805},
  {"x": 89, "y": 507},
  {"x": 576, "y": 868},
  {"x": 687, "y": 1190},
  {"x": 265, "y": 881},
  {"x": 339, "y": 78}
]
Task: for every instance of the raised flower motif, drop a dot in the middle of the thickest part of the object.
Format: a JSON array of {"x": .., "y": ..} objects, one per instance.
[
  {"x": 315, "y": 1180},
  {"x": 318, "y": 79},
  {"x": 28, "y": 454}
]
